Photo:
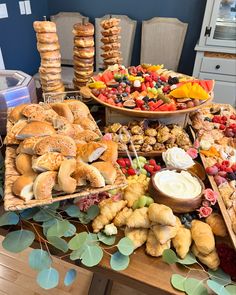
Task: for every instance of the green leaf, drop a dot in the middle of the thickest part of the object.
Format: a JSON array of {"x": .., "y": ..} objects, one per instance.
[
  {"x": 92, "y": 239},
  {"x": 189, "y": 259},
  {"x": 169, "y": 256},
  {"x": 194, "y": 287},
  {"x": 47, "y": 224},
  {"x": 73, "y": 211},
  {"x": 92, "y": 255},
  {"x": 53, "y": 206},
  {"x": 9, "y": 218},
  {"x": 48, "y": 278},
  {"x": 125, "y": 246},
  {"x": 78, "y": 241},
  {"x": 76, "y": 254},
  {"x": 59, "y": 228},
  {"x": 70, "y": 277},
  {"x": 70, "y": 232},
  {"x": 177, "y": 282},
  {"x": 39, "y": 259},
  {"x": 231, "y": 289},
  {"x": 107, "y": 240},
  {"x": 58, "y": 243},
  {"x": 18, "y": 241},
  {"x": 217, "y": 288},
  {"x": 119, "y": 261},
  {"x": 83, "y": 218},
  {"x": 29, "y": 213},
  {"x": 93, "y": 211},
  {"x": 42, "y": 215},
  {"x": 219, "y": 276}
]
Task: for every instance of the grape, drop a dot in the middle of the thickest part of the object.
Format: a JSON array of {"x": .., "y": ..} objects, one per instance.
[
  {"x": 135, "y": 205},
  {"x": 135, "y": 166},
  {"x": 149, "y": 201},
  {"x": 142, "y": 159},
  {"x": 183, "y": 219},
  {"x": 188, "y": 217},
  {"x": 143, "y": 171},
  {"x": 142, "y": 201}
]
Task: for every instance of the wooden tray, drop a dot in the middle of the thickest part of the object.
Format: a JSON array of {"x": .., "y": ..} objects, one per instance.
[{"x": 145, "y": 114}]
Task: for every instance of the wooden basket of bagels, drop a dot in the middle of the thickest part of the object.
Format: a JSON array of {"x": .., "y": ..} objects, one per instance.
[{"x": 55, "y": 151}]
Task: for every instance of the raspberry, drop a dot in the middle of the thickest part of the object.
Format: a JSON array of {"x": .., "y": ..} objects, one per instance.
[
  {"x": 127, "y": 162},
  {"x": 152, "y": 162},
  {"x": 224, "y": 118},
  {"x": 222, "y": 167},
  {"x": 121, "y": 162},
  {"x": 217, "y": 165},
  {"x": 226, "y": 163},
  {"x": 228, "y": 169},
  {"x": 233, "y": 117},
  {"x": 222, "y": 127},
  {"x": 157, "y": 168},
  {"x": 233, "y": 167}
]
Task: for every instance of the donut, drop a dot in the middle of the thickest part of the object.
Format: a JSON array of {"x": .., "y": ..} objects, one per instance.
[
  {"x": 51, "y": 63},
  {"x": 110, "y": 46},
  {"x": 112, "y": 31},
  {"x": 43, "y": 70},
  {"x": 87, "y": 52},
  {"x": 112, "y": 61},
  {"x": 83, "y": 30},
  {"x": 44, "y": 27},
  {"x": 109, "y": 23},
  {"x": 51, "y": 55},
  {"x": 83, "y": 62},
  {"x": 110, "y": 54},
  {"x": 50, "y": 77},
  {"x": 43, "y": 47},
  {"x": 110, "y": 39},
  {"x": 83, "y": 41},
  {"x": 47, "y": 37}
]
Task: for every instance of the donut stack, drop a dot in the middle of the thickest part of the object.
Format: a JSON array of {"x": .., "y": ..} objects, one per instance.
[
  {"x": 111, "y": 42},
  {"x": 83, "y": 53},
  {"x": 49, "y": 49}
]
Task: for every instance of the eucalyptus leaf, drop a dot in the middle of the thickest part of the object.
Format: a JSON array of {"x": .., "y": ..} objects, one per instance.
[
  {"x": 9, "y": 218},
  {"x": 54, "y": 206},
  {"x": 107, "y": 240},
  {"x": 70, "y": 277},
  {"x": 47, "y": 224},
  {"x": 194, "y": 287},
  {"x": 189, "y": 259},
  {"x": 169, "y": 256},
  {"x": 217, "y": 288},
  {"x": 119, "y": 261},
  {"x": 39, "y": 259},
  {"x": 18, "y": 241},
  {"x": 219, "y": 276},
  {"x": 59, "y": 243},
  {"x": 48, "y": 278},
  {"x": 29, "y": 213},
  {"x": 83, "y": 218},
  {"x": 93, "y": 211},
  {"x": 92, "y": 239},
  {"x": 42, "y": 215},
  {"x": 231, "y": 289},
  {"x": 177, "y": 281},
  {"x": 78, "y": 241},
  {"x": 70, "y": 232},
  {"x": 125, "y": 246},
  {"x": 59, "y": 228},
  {"x": 92, "y": 255},
  {"x": 76, "y": 254},
  {"x": 73, "y": 211}
]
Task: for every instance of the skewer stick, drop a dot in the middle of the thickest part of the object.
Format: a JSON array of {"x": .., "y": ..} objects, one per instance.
[{"x": 45, "y": 18}]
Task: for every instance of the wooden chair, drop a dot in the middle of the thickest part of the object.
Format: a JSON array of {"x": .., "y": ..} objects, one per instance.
[
  {"x": 162, "y": 41},
  {"x": 128, "y": 28}
]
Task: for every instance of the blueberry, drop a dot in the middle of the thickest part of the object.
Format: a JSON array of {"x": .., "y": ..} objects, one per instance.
[
  {"x": 194, "y": 215},
  {"x": 139, "y": 74},
  {"x": 158, "y": 84},
  {"x": 146, "y": 99},
  {"x": 128, "y": 82},
  {"x": 188, "y": 224},
  {"x": 188, "y": 217},
  {"x": 124, "y": 94},
  {"x": 183, "y": 219},
  {"x": 207, "y": 119},
  {"x": 231, "y": 176},
  {"x": 173, "y": 80}
]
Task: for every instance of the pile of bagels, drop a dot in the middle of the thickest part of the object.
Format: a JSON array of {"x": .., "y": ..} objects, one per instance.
[
  {"x": 111, "y": 42},
  {"x": 83, "y": 53},
  {"x": 49, "y": 49}
]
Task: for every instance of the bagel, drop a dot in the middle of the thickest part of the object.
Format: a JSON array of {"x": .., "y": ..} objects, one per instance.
[
  {"x": 51, "y": 63},
  {"x": 87, "y": 136},
  {"x": 111, "y": 54},
  {"x": 63, "y": 110},
  {"x": 45, "y": 47},
  {"x": 83, "y": 62},
  {"x": 112, "y": 61},
  {"x": 48, "y": 162},
  {"x": 44, "y": 184},
  {"x": 83, "y": 30},
  {"x": 78, "y": 108},
  {"x": 43, "y": 70},
  {"x": 84, "y": 41},
  {"x": 87, "y": 52},
  {"x": 56, "y": 143},
  {"x": 77, "y": 81},
  {"x": 51, "y": 83},
  {"x": 34, "y": 112},
  {"x": 65, "y": 181},
  {"x": 86, "y": 123},
  {"x": 47, "y": 37},
  {"x": 50, "y": 77},
  {"x": 63, "y": 126},
  {"x": 44, "y": 27},
  {"x": 51, "y": 55},
  {"x": 111, "y": 31},
  {"x": 83, "y": 74},
  {"x": 15, "y": 129},
  {"x": 110, "y": 39},
  {"x": 33, "y": 129},
  {"x": 15, "y": 114},
  {"x": 27, "y": 145},
  {"x": 110, "y": 46},
  {"x": 78, "y": 85},
  {"x": 82, "y": 69},
  {"x": 109, "y": 23},
  {"x": 23, "y": 186},
  {"x": 52, "y": 88},
  {"x": 24, "y": 163}
]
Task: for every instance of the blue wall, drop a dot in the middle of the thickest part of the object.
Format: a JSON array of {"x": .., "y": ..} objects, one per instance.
[
  {"x": 17, "y": 36},
  {"x": 189, "y": 11}
]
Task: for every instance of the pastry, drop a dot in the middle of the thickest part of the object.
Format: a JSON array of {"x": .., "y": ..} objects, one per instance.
[
  {"x": 44, "y": 184},
  {"x": 23, "y": 186},
  {"x": 111, "y": 152},
  {"x": 182, "y": 241},
  {"x": 83, "y": 30},
  {"x": 109, "y": 23},
  {"x": 107, "y": 170},
  {"x": 137, "y": 235},
  {"x": 48, "y": 162},
  {"x": 161, "y": 214},
  {"x": 139, "y": 218},
  {"x": 47, "y": 37},
  {"x": 84, "y": 41},
  {"x": 211, "y": 260},
  {"x": 65, "y": 181},
  {"x": 24, "y": 163},
  {"x": 87, "y": 52},
  {"x": 63, "y": 109},
  {"x": 217, "y": 224},
  {"x": 90, "y": 152},
  {"x": 164, "y": 233},
  {"x": 153, "y": 247},
  {"x": 15, "y": 114},
  {"x": 35, "y": 129},
  {"x": 133, "y": 192},
  {"x": 44, "y": 27},
  {"x": 121, "y": 217}
]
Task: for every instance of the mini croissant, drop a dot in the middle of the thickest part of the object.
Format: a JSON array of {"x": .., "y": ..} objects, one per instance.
[
  {"x": 161, "y": 214},
  {"x": 121, "y": 217},
  {"x": 211, "y": 260},
  {"x": 139, "y": 218},
  {"x": 164, "y": 233},
  {"x": 182, "y": 241},
  {"x": 217, "y": 224},
  {"x": 137, "y": 235},
  {"x": 133, "y": 192},
  {"x": 153, "y": 247}
]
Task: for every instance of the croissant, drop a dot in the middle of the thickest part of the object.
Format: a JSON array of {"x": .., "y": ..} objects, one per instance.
[
  {"x": 161, "y": 214},
  {"x": 164, "y": 233},
  {"x": 122, "y": 216},
  {"x": 203, "y": 237},
  {"x": 139, "y": 218},
  {"x": 153, "y": 247},
  {"x": 108, "y": 210},
  {"x": 211, "y": 260},
  {"x": 217, "y": 224},
  {"x": 133, "y": 192},
  {"x": 182, "y": 241},
  {"x": 137, "y": 235}
]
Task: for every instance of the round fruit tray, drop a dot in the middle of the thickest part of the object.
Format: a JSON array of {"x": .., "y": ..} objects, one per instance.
[{"x": 145, "y": 114}]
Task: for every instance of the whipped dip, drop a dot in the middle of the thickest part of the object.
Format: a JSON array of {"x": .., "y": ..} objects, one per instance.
[
  {"x": 177, "y": 158},
  {"x": 177, "y": 185}
]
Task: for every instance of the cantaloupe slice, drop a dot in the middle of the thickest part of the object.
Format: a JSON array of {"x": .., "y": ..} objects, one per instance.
[
  {"x": 198, "y": 92},
  {"x": 192, "y": 90}
]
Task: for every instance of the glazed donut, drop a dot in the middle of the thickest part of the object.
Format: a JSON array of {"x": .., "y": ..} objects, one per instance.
[
  {"x": 47, "y": 37},
  {"x": 83, "y": 62},
  {"x": 110, "y": 46},
  {"x": 112, "y": 61},
  {"x": 51, "y": 55},
  {"x": 83, "y": 41},
  {"x": 43, "y": 47},
  {"x": 110, "y": 32},
  {"x": 83, "y": 30},
  {"x": 87, "y": 52},
  {"x": 43, "y": 70},
  {"x": 50, "y": 77},
  {"x": 109, "y": 23},
  {"x": 110, "y": 54},
  {"x": 110, "y": 39},
  {"x": 44, "y": 27},
  {"x": 51, "y": 63}
]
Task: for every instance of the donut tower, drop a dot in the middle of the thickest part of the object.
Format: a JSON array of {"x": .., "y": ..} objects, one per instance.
[
  {"x": 49, "y": 49},
  {"x": 111, "y": 42},
  {"x": 83, "y": 53}
]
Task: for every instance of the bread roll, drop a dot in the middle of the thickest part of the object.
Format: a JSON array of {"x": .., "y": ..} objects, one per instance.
[
  {"x": 44, "y": 27},
  {"x": 87, "y": 52},
  {"x": 45, "y": 47},
  {"x": 84, "y": 41},
  {"x": 23, "y": 186},
  {"x": 109, "y": 23},
  {"x": 24, "y": 163},
  {"x": 47, "y": 38},
  {"x": 83, "y": 30},
  {"x": 33, "y": 129}
]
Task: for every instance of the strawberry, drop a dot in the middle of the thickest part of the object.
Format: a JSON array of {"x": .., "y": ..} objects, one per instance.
[
  {"x": 166, "y": 88},
  {"x": 152, "y": 162},
  {"x": 127, "y": 162},
  {"x": 139, "y": 102},
  {"x": 121, "y": 162},
  {"x": 163, "y": 78},
  {"x": 157, "y": 168},
  {"x": 233, "y": 167},
  {"x": 131, "y": 171},
  {"x": 228, "y": 169},
  {"x": 222, "y": 127},
  {"x": 222, "y": 167},
  {"x": 233, "y": 117}
]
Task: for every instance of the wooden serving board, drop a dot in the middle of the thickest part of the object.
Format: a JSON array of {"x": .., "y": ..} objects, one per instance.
[{"x": 143, "y": 154}]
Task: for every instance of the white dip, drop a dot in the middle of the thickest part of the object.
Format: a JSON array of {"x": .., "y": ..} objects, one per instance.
[
  {"x": 177, "y": 185},
  {"x": 177, "y": 158}
]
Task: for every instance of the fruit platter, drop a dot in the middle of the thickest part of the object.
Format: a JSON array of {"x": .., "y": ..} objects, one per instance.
[{"x": 149, "y": 91}]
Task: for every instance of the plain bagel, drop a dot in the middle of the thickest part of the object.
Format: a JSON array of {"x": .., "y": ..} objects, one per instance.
[
  {"x": 87, "y": 52},
  {"x": 47, "y": 37},
  {"x": 83, "y": 30},
  {"x": 45, "y": 47},
  {"x": 44, "y": 184},
  {"x": 44, "y": 27},
  {"x": 83, "y": 41}
]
